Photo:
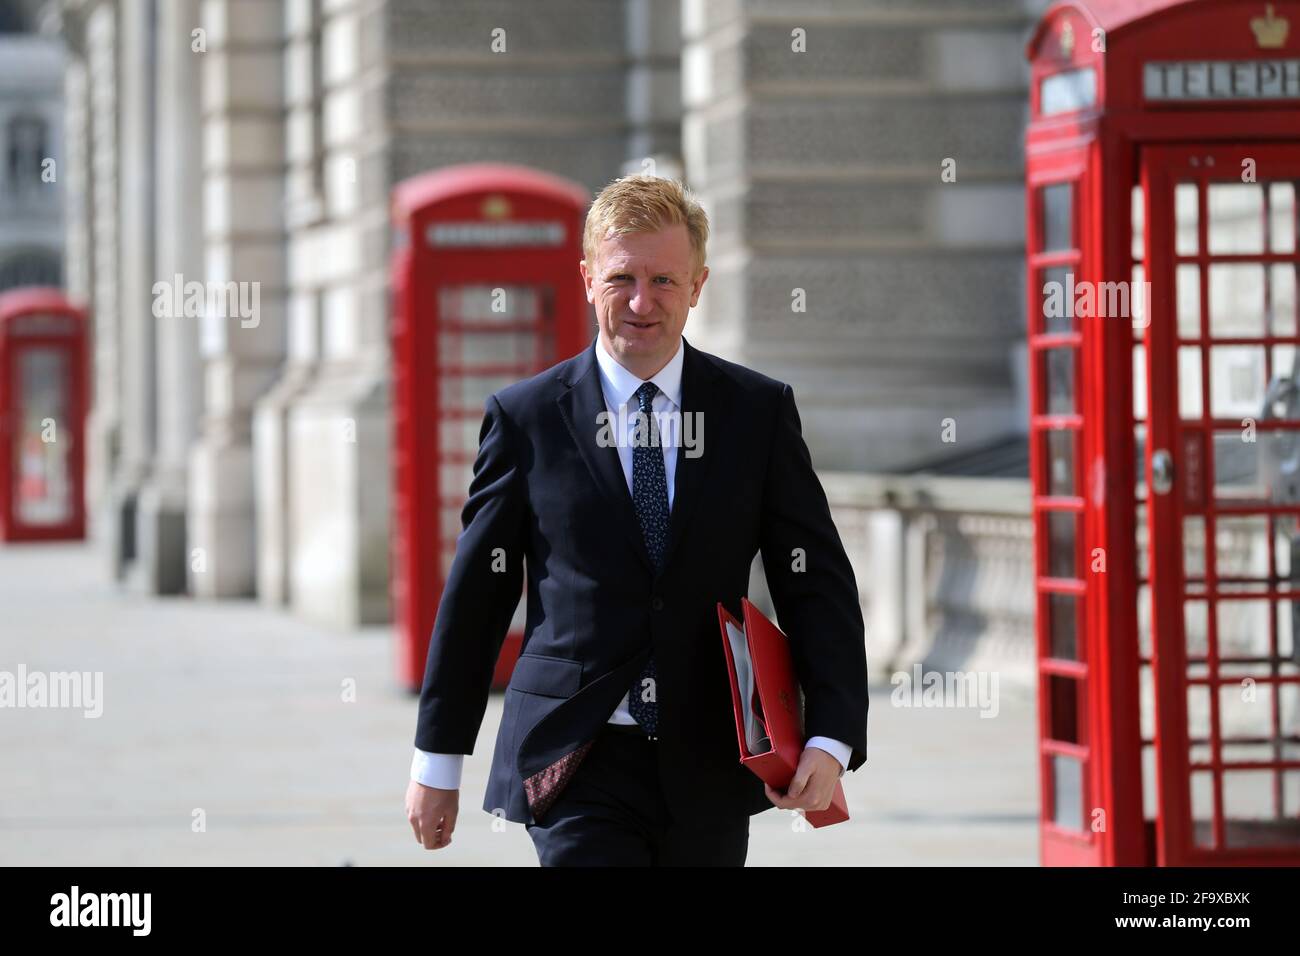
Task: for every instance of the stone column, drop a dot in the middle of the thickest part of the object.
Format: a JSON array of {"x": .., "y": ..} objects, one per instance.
[
  {"x": 841, "y": 260},
  {"x": 327, "y": 426},
  {"x": 304, "y": 212},
  {"x": 104, "y": 421},
  {"x": 136, "y": 128},
  {"x": 78, "y": 265},
  {"x": 162, "y": 556},
  {"x": 654, "y": 87},
  {"x": 242, "y": 337},
  {"x": 78, "y": 260}
]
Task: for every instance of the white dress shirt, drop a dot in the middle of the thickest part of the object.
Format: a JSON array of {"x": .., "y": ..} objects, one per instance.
[{"x": 619, "y": 386}]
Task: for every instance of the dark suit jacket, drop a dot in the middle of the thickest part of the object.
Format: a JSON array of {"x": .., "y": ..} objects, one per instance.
[{"x": 546, "y": 491}]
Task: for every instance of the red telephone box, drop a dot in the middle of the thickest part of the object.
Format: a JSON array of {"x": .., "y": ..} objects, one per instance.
[
  {"x": 42, "y": 416},
  {"x": 1163, "y": 160},
  {"x": 486, "y": 292}
]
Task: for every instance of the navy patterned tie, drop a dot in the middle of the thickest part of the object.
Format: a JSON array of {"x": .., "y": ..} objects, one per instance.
[{"x": 650, "y": 498}]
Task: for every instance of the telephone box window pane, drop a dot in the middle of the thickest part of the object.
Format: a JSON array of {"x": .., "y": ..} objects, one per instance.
[
  {"x": 1243, "y": 632},
  {"x": 1140, "y": 301},
  {"x": 455, "y": 478},
  {"x": 459, "y": 436},
  {"x": 1198, "y": 713},
  {"x": 1236, "y": 300},
  {"x": 471, "y": 392},
  {"x": 1139, "y": 382},
  {"x": 1189, "y": 383},
  {"x": 1193, "y": 548},
  {"x": 1288, "y": 627},
  {"x": 1060, "y": 461},
  {"x": 1236, "y": 218},
  {"x": 1144, "y": 636},
  {"x": 1284, "y": 359},
  {"x": 1188, "y": 278},
  {"x": 1282, "y": 218},
  {"x": 1149, "y": 796},
  {"x": 1286, "y": 544},
  {"x": 489, "y": 304},
  {"x": 474, "y": 349},
  {"x": 1187, "y": 219},
  {"x": 1252, "y": 817},
  {"x": 1067, "y": 792},
  {"x": 1279, "y": 456},
  {"x": 1282, "y": 300},
  {"x": 1137, "y": 215},
  {"x": 1062, "y": 537},
  {"x": 1146, "y": 713},
  {"x": 1241, "y": 546},
  {"x": 1058, "y": 300},
  {"x": 1063, "y": 709},
  {"x": 1139, "y": 461},
  {"x": 1202, "y": 787},
  {"x": 1196, "y": 628},
  {"x": 42, "y": 472},
  {"x": 1141, "y": 534},
  {"x": 1058, "y": 217},
  {"x": 1062, "y": 626},
  {"x": 1241, "y": 714},
  {"x": 1237, "y": 381},
  {"x": 1236, "y": 468},
  {"x": 1058, "y": 376},
  {"x": 1067, "y": 91}
]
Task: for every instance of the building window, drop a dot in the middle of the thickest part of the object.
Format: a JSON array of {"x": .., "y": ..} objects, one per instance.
[
  {"x": 30, "y": 268},
  {"x": 27, "y": 147},
  {"x": 13, "y": 18}
]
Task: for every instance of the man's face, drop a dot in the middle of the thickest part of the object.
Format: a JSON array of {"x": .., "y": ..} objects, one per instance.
[{"x": 642, "y": 288}]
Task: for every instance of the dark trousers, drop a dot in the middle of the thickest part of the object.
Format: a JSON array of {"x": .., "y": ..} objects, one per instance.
[{"x": 613, "y": 813}]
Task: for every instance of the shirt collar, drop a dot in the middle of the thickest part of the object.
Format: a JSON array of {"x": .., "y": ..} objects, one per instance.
[{"x": 620, "y": 385}]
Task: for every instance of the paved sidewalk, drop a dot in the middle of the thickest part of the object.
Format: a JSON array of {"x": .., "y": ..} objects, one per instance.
[{"x": 236, "y": 714}]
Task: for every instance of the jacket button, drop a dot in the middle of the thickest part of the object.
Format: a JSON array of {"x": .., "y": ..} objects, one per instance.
[{"x": 657, "y": 603}]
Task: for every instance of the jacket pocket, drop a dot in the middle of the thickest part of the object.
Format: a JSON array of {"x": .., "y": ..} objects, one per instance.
[{"x": 548, "y": 676}]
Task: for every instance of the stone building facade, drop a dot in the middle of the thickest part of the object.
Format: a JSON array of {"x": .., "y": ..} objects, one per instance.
[
  {"x": 860, "y": 161},
  {"x": 31, "y": 146}
]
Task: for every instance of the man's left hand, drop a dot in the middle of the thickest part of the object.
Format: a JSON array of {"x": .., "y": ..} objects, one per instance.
[{"x": 813, "y": 784}]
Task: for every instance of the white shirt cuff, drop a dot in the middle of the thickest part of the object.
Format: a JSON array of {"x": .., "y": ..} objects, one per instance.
[
  {"x": 840, "y": 751},
  {"x": 437, "y": 770}
]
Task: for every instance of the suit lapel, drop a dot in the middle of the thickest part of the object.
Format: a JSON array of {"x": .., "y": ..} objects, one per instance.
[
  {"x": 585, "y": 400},
  {"x": 701, "y": 401},
  {"x": 580, "y": 406}
]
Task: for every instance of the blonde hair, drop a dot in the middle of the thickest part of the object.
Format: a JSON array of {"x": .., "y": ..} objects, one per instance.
[{"x": 644, "y": 204}]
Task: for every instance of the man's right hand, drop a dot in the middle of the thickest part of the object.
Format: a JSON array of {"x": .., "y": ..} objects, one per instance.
[{"x": 432, "y": 813}]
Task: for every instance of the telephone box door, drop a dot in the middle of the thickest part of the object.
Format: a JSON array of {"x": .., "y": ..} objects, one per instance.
[
  {"x": 1223, "y": 480},
  {"x": 40, "y": 376}
]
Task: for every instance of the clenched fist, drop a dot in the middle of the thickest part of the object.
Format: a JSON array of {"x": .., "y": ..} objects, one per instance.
[{"x": 432, "y": 813}]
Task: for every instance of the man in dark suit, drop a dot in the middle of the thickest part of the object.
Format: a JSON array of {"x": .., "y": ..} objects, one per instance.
[{"x": 635, "y": 482}]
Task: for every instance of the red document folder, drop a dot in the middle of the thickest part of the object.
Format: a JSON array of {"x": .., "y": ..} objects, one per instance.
[{"x": 770, "y": 729}]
